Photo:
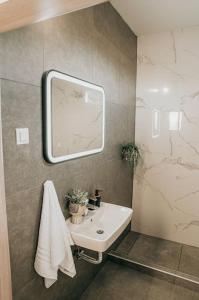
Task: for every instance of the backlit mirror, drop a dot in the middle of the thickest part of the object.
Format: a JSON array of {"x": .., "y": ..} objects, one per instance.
[{"x": 73, "y": 117}]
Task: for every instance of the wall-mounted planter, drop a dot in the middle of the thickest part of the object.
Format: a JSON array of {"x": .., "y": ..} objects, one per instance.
[{"x": 130, "y": 152}]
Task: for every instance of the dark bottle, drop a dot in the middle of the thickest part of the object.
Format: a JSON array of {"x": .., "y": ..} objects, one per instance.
[
  {"x": 98, "y": 197},
  {"x": 92, "y": 201}
]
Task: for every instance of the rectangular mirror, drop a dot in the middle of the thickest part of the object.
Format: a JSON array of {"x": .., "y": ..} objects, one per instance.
[{"x": 73, "y": 117}]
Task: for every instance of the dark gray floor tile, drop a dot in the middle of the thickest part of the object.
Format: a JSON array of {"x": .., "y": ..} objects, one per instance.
[
  {"x": 183, "y": 293},
  {"x": 189, "y": 262},
  {"x": 127, "y": 242},
  {"x": 190, "y": 282},
  {"x": 156, "y": 251},
  {"x": 113, "y": 295},
  {"x": 120, "y": 282},
  {"x": 103, "y": 279},
  {"x": 161, "y": 272}
]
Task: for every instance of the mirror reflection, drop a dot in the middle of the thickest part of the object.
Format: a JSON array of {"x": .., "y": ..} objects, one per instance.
[{"x": 75, "y": 117}]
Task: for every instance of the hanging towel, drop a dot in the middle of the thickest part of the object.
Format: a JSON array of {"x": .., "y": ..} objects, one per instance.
[{"x": 53, "y": 250}]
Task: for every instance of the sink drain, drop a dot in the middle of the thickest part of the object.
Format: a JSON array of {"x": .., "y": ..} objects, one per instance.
[{"x": 100, "y": 231}]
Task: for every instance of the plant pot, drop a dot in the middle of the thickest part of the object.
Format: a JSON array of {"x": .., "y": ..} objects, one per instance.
[
  {"x": 76, "y": 219},
  {"x": 77, "y": 211}
]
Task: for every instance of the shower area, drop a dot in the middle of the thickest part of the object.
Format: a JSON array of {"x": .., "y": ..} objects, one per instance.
[{"x": 164, "y": 236}]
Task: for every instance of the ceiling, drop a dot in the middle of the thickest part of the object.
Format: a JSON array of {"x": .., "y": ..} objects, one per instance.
[
  {"x": 18, "y": 13},
  {"x": 150, "y": 16},
  {"x": 143, "y": 16}
]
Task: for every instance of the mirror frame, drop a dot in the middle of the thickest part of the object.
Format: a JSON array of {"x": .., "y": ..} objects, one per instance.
[{"x": 47, "y": 115}]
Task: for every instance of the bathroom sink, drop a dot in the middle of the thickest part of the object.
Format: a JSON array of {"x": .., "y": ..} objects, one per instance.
[{"x": 101, "y": 227}]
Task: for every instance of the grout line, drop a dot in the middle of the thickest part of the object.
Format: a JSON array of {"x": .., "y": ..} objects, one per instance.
[
  {"x": 20, "y": 82},
  {"x": 153, "y": 268}
]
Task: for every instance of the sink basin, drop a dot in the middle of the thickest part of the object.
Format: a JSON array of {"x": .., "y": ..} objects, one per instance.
[{"x": 101, "y": 227}]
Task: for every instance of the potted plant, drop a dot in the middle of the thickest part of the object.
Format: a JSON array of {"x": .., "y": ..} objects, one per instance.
[
  {"x": 130, "y": 152},
  {"x": 78, "y": 201}
]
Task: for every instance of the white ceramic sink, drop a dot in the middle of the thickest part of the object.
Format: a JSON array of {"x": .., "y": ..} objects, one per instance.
[{"x": 110, "y": 218}]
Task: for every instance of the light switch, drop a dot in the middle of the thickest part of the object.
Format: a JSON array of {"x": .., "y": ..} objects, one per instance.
[{"x": 22, "y": 136}]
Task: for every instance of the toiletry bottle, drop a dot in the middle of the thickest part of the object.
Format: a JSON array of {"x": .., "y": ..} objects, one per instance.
[
  {"x": 92, "y": 201},
  {"x": 98, "y": 197}
]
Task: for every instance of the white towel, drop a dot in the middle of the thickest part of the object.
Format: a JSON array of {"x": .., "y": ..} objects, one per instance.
[{"x": 53, "y": 250}]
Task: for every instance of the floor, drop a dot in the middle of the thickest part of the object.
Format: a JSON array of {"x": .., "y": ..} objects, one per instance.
[
  {"x": 118, "y": 282},
  {"x": 155, "y": 251}
]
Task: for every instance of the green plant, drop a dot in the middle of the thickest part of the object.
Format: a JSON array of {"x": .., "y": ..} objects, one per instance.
[
  {"x": 130, "y": 152},
  {"x": 77, "y": 196}
]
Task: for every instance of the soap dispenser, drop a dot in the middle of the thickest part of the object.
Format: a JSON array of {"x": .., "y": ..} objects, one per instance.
[
  {"x": 92, "y": 201},
  {"x": 98, "y": 197}
]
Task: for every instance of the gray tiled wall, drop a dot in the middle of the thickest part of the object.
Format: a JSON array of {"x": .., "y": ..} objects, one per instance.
[{"x": 93, "y": 44}]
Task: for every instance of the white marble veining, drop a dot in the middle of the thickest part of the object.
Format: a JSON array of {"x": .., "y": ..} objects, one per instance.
[{"x": 166, "y": 185}]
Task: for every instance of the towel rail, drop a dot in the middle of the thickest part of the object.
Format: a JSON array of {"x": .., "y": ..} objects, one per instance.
[{"x": 81, "y": 255}]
